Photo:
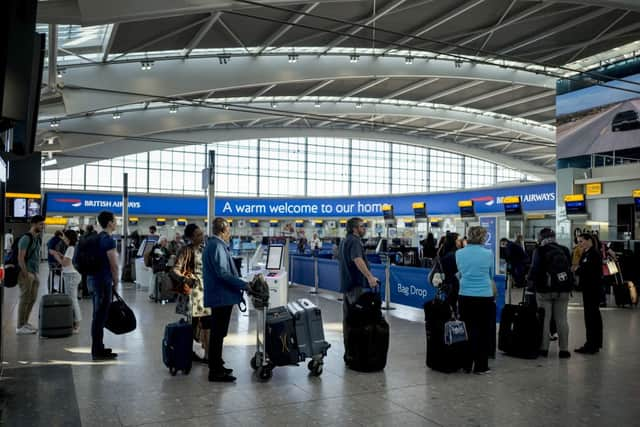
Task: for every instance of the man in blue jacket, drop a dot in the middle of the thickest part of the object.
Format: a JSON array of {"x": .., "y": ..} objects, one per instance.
[{"x": 222, "y": 290}]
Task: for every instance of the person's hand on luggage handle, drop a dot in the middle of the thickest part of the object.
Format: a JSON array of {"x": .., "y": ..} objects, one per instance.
[{"x": 373, "y": 281}]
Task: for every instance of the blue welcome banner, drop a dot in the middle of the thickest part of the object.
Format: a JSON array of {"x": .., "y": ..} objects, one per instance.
[{"x": 535, "y": 197}]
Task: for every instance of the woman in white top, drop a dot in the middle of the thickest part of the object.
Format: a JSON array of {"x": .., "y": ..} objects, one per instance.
[{"x": 70, "y": 276}]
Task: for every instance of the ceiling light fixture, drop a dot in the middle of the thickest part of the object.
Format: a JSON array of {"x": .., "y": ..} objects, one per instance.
[
  {"x": 116, "y": 115},
  {"x": 293, "y": 58},
  {"x": 50, "y": 162},
  {"x": 225, "y": 106},
  {"x": 61, "y": 71},
  {"x": 408, "y": 60},
  {"x": 173, "y": 109},
  {"x": 54, "y": 123},
  {"x": 274, "y": 105},
  {"x": 358, "y": 104},
  {"x": 224, "y": 59},
  {"x": 146, "y": 65},
  {"x": 457, "y": 63},
  {"x": 317, "y": 104},
  {"x": 354, "y": 58}
]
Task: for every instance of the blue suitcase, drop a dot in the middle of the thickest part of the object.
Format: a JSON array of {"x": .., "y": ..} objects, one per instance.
[{"x": 177, "y": 347}]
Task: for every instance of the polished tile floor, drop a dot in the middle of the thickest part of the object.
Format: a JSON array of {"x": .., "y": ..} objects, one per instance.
[{"x": 600, "y": 390}]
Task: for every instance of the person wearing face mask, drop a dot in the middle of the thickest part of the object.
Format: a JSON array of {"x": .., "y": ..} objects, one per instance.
[
  {"x": 589, "y": 271},
  {"x": 222, "y": 290}
]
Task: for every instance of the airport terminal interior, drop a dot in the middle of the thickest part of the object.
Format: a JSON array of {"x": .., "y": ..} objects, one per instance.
[{"x": 424, "y": 119}]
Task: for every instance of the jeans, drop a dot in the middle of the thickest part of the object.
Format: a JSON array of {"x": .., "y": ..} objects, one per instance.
[
  {"x": 220, "y": 317},
  {"x": 71, "y": 282},
  {"x": 555, "y": 306},
  {"x": 102, "y": 297},
  {"x": 28, "y": 294},
  {"x": 478, "y": 314}
]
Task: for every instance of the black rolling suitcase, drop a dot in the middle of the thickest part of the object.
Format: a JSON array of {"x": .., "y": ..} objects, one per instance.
[
  {"x": 177, "y": 347},
  {"x": 441, "y": 356},
  {"x": 521, "y": 328},
  {"x": 56, "y": 316},
  {"x": 367, "y": 335},
  {"x": 281, "y": 345}
]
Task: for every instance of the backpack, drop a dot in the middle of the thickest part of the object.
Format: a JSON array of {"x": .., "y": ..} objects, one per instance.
[
  {"x": 87, "y": 258},
  {"x": 11, "y": 265},
  {"x": 558, "y": 269}
]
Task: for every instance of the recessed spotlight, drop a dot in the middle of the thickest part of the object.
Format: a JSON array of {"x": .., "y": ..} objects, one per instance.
[
  {"x": 116, "y": 115},
  {"x": 146, "y": 65}
]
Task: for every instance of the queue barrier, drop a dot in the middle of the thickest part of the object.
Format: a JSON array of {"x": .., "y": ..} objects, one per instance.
[{"x": 408, "y": 285}]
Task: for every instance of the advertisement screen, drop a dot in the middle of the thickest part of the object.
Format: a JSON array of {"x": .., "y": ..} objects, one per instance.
[
  {"x": 19, "y": 208},
  {"x": 513, "y": 209}
]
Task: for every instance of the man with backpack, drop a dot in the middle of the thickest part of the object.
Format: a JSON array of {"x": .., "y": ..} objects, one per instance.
[
  {"x": 551, "y": 278},
  {"x": 97, "y": 257},
  {"x": 28, "y": 248}
]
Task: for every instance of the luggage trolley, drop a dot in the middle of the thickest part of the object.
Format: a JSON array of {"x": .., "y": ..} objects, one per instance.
[
  {"x": 260, "y": 361},
  {"x": 301, "y": 333}
]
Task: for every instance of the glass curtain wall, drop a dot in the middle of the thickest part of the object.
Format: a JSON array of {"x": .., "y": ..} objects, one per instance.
[{"x": 288, "y": 167}]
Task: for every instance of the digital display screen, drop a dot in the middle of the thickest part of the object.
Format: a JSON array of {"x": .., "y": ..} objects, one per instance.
[
  {"x": 513, "y": 209},
  {"x": 578, "y": 207},
  {"x": 467, "y": 212},
  {"x": 636, "y": 201},
  {"x": 420, "y": 212},
  {"x": 19, "y": 208},
  {"x": 387, "y": 212},
  {"x": 274, "y": 257}
]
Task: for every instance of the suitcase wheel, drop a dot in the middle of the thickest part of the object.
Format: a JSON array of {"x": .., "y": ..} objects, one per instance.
[
  {"x": 173, "y": 371},
  {"x": 265, "y": 373},
  {"x": 315, "y": 367}
]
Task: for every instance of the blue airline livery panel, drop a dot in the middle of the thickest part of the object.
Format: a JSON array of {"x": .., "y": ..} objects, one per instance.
[{"x": 537, "y": 197}]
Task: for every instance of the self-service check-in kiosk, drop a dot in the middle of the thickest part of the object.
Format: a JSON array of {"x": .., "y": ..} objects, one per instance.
[{"x": 276, "y": 276}]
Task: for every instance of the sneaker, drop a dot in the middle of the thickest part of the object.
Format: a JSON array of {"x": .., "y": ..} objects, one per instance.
[
  {"x": 564, "y": 354},
  {"x": 485, "y": 372},
  {"x": 30, "y": 326},
  {"x": 553, "y": 337},
  {"x": 24, "y": 330}
]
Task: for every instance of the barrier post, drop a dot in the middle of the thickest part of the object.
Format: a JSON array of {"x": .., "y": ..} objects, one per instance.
[
  {"x": 315, "y": 276},
  {"x": 387, "y": 285}
]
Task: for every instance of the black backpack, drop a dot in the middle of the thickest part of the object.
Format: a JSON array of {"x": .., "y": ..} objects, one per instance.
[
  {"x": 558, "y": 269},
  {"x": 11, "y": 265},
  {"x": 87, "y": 257}
]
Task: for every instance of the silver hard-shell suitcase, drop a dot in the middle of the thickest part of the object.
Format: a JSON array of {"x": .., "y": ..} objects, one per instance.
[
  {"x": 56, "y": 316},
  {"x": 309, "y": 333}
]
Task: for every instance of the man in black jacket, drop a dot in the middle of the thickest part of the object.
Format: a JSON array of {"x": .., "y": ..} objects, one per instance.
[{"x": 551, "y": 278}]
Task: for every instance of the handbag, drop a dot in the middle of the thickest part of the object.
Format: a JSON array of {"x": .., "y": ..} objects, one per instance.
[
  {"x": 120, "y": 318},
  {"x": 612, "y": 266},
  {"x": 455, "y": 331},
  {"x": 436, "y": 275}
]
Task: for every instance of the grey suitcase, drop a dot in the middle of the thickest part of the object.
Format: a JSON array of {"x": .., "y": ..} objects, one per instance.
[
  {"x": 56, "y": 316},
  {"x": 309, "y": 332}
]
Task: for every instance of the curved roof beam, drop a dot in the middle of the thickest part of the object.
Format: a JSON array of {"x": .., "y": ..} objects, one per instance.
[
  {"x": 154, "y": 120},
  {"x": 175, "y": 78},
  {"x": 124, "y": 147}
]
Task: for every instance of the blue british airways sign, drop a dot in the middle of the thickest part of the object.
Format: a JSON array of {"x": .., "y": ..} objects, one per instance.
[{"x": 536, "y": 197}]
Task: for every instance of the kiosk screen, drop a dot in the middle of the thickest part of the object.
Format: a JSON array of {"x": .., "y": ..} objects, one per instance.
[
  {"x": 274, "y": 257},
  {"x": 578, "y": 207}
]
